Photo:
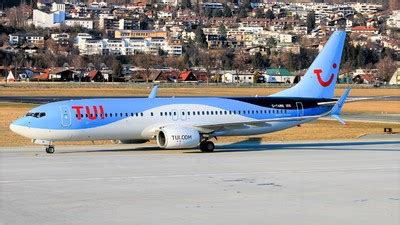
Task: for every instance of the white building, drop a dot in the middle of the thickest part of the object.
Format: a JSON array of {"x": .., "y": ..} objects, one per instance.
[
  {"x": 395, "y": 80},
  {"x": 366, "y": 8},
  {"x": 60, "y": 36},
  {"x": 81, "y": 38},
  {"x": 169, "y": 2},
  {"x": 19, "y": 39},
  {"x": 239, "y": 77},
  {"x": 86, "y": 23},
  {"x": 165, "y": 15},
  {"x": 394, "y": 20},
  {"x": 47, "y": 20},
  {"x": 286, "y": 38},
  {"x": 126, "y": 46},
  {"x": 57, "y": 7},
  {"x": 300, "y": 29},
  {"x": 250, "y": 29},
  {"x": 90, "y": 47}
]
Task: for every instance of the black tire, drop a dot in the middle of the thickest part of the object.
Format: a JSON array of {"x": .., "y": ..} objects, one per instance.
[
  {"x": 207, "y": 146},
  {"x": 50, "y": 150}
]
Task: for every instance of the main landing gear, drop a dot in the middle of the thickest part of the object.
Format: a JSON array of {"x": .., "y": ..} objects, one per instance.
[
  {"x": 50, "y": 149},
  {"x": 207, "y": 146}
]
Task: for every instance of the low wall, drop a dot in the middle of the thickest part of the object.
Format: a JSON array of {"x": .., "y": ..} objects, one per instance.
[{"x": 165, "y": 85}]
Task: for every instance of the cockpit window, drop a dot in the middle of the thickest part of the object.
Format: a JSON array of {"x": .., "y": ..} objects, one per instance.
[{"x": 36, "y": 114}]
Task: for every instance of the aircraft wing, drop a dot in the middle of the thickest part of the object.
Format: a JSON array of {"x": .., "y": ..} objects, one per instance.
[
  {"x": 253, "y": 123},
  {"x": 335, "y": 112}
]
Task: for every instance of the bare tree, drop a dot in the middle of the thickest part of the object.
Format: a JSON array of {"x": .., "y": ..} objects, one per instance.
[
  {"x": 17, "y": 15},
  {"x": 147, "y": 61},
  {"x": 3, "y": 39},
  {"x": 207, "y": 60},
  {"x": 52, "y": 46},
  {"x": 386, "y": 68},
  {"x": 239, "y": 63},
  {"x": 176, "y": 62},
  {"x": 77, "y": 61}
]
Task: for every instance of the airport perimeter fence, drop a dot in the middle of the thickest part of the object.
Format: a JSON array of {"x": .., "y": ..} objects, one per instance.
[{"x": 167, "y": 85}]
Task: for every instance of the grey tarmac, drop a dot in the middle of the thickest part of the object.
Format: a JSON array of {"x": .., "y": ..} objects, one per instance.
[{"x": 326, "y": 182}]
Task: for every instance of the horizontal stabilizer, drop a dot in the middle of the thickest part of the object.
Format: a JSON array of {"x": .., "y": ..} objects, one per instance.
[{"x": 337, "y": 108}]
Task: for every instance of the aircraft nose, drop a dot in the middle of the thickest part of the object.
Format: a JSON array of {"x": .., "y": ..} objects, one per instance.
[
  {"x": 18, "y": 126},
  {"x": 14, "y": 127}
]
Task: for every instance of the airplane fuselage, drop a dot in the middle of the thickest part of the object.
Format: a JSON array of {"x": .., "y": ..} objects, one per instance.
[{"x": 139, "y": 118}]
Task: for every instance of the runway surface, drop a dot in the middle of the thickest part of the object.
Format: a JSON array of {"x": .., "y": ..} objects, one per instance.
[{"x": 344, "y": 182}]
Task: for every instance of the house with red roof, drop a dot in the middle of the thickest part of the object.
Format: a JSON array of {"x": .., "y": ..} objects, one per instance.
[
  {"x": 202, "y": 76},
  {"x": 367, "y": 30},
  {"x": 93, "y": 76},
  {"x": 187, "y": 76},
  {"x": 54, "y": 74}
]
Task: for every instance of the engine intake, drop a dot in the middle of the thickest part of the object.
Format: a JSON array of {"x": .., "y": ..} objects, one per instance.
[{"x": 170, "y": 138}]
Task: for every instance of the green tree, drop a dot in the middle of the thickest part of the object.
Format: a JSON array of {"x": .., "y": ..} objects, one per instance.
[
  {"x": 116, "y": 69},
  {"x": 144, "y": 23},
  {"x": 200, "y": 37},
  {"x": 269, "y": 14},
  {"x": 227, "y": 11},
  {"x": 217, "y": 13},
  {"x": 242, "y": 13},
  {"x": 310, "y": 21},
  {"x": 256, "y": 76},
  {"x": 186, "y": 4},
  {"x": 222, "y": 30},
  {"x": 246, "y": 4},
  {"x": 259, "y": 13},
  {"x": 257, "y": 61},
  {"x": 208, "y": 12},
  {"x": 227, "y": 59},
  {"x": 271, "y": 42}
]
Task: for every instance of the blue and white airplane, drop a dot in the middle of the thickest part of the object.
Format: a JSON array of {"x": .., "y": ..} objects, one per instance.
[{"x": 190, "y": 122}]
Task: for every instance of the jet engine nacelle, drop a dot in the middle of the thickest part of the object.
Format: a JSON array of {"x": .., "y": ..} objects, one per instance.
[{"x": 178, "y": 138}]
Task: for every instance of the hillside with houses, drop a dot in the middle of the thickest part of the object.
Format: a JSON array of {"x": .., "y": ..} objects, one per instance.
[{"x": 194, "y": 41}]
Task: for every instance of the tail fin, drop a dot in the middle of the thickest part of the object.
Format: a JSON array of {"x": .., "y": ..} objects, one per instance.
[{"x": 320, "y": 79}]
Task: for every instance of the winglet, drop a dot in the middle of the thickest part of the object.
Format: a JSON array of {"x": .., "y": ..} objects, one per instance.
[
  {"x": 337, "y": 108},
  {"x": 153, "y": 92}
]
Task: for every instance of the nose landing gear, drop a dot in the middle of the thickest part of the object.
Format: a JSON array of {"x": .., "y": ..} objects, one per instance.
[{"x": 50, "y": 149}]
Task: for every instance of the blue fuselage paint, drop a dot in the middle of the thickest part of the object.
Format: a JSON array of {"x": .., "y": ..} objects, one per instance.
[{"x": 143, "y": 112}]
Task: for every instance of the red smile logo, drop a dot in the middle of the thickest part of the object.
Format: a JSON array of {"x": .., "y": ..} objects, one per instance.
[{"x": 318, "y": 73}]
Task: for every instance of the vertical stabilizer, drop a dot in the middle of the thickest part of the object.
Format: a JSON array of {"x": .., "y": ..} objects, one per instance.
[{"x": 320, "y": 79}]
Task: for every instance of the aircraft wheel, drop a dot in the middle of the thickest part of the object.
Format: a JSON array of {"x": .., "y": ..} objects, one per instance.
[
  {"x": 207, "y": 146},
  {"x": 50, "y": 149}
]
